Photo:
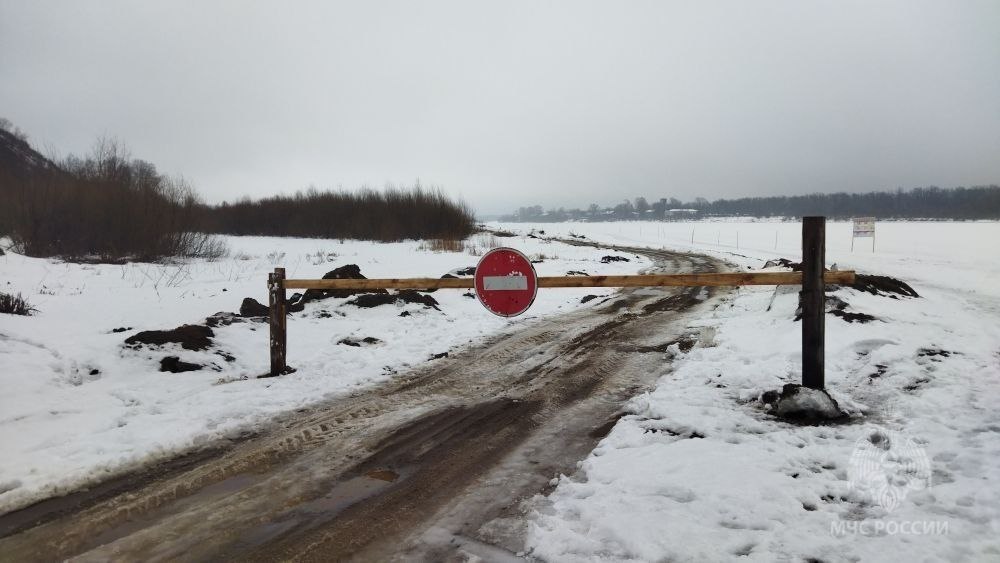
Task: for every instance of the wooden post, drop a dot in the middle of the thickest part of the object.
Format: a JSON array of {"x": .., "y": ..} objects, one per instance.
[
  {"x": 813, "y": 301},
  {"x": 278, "y": 318}
]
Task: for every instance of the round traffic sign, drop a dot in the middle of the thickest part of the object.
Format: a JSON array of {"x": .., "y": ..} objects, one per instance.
[{"x": 506, "y": 282}]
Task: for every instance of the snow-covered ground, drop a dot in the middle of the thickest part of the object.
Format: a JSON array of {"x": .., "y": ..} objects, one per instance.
[
  {"x": 77, "y": 405},
  {"x": 699, "y": 470}
]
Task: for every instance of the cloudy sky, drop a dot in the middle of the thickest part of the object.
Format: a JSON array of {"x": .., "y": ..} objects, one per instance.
[{"x": 518, "y": 103}]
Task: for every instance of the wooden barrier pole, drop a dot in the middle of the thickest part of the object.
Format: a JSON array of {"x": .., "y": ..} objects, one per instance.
[
  {"x": 278, "y": 318},
  {"x": 813, "y": 299},
  {"x": 652, "y": 280}
]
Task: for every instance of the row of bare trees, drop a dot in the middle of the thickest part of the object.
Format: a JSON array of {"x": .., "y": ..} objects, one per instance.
[
  {"x": 389, "y": 215},
  {"x": 104, "y": 207},
  {"x": 110, "y": 207}
]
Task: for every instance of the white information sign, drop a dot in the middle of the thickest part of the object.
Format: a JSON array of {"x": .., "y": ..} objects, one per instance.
[{"x": 864, "y": 227}]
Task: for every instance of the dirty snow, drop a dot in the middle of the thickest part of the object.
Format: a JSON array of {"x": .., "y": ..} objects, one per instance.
[
  {"x": 78, "y": 406},
  {"x": 699, "y": 469}
]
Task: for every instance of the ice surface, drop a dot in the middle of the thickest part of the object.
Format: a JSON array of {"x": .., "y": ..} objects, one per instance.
[{"x": 702, "y": 470}]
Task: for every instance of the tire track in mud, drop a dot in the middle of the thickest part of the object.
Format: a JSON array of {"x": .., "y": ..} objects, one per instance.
[{"x": 456, "y": 447}]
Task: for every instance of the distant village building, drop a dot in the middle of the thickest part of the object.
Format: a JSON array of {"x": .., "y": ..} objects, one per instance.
[{"x": 681, "y": 212}]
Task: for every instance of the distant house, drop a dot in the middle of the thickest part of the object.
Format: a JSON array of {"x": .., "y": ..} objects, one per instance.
[{"x": 681, "y": 212}]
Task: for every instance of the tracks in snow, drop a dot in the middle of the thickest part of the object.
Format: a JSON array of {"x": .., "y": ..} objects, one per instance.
[{"x": 435, "y": 464}]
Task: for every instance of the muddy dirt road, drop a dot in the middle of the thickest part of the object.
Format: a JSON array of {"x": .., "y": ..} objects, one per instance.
[{"x": 438, "y": 464}]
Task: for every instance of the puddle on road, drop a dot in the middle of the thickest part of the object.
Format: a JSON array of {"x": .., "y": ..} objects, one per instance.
[
  {"x": 320, "y": 510},
  {"x": 348, "y": 492}
]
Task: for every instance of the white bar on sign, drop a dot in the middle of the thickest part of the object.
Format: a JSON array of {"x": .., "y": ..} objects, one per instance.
[{"x": 505, "y": 283}]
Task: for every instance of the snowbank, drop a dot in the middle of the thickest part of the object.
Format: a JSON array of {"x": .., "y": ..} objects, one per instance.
[
  {"x": 77, "y": 405},
  {"x": 700, "y": 470}
]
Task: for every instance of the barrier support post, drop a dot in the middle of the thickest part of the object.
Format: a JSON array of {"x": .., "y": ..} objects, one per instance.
[
  {"x": 813, "y": 300},
  {"x": 278, "y": 318}
]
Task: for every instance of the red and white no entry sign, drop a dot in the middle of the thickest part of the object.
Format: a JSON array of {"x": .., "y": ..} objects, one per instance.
[{"x": 506, "y": 282}]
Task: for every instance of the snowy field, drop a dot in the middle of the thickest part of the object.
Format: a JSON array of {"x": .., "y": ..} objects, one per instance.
[
  {"x": 77, "y": 405},
  {"x": 698, "y": 470}
]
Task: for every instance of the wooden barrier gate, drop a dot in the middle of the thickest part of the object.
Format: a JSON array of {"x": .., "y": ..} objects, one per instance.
[{"x": 812, "y": 278}]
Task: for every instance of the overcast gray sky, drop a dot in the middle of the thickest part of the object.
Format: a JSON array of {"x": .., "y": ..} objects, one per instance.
[{"x": 518, "y": 103}]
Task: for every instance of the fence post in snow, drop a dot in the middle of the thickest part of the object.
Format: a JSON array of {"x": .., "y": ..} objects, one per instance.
[
  {"x": 278, "y": 317},
  {"x": 813, "y": 299}
]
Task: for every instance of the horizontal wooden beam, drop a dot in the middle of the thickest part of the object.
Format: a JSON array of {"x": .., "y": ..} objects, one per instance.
[{"x": 653, "y": 280}]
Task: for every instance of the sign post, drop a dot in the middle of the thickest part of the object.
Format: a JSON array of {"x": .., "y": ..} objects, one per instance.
[
  {"x": 813, "y": 301},
  {"x": 863, "y": 227},
  {"x": 277, "y": 307},
  {"x": 506, "y": 282}
]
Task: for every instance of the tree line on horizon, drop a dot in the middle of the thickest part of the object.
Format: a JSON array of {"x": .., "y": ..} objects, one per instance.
[
  {"x": 110, "y": 207},
  {"x": 975, "y": 203}
]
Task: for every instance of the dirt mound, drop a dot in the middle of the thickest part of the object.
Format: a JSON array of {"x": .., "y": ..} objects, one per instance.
[
  {"x": 852, "y": 317},
  {"x": 883, "y": 285},
  {"x": 173, "y": 364},
  {"x": 838, "y": 308},
  {"x": 253, "y": 308},
  {"x": 803, "y": 405},
  {"x": 357, "y": 343},
  {"x": 783, "y": 263},
  {"x": 454, "y": 275},
  {"x": 369, "y": 300},
  {"x": 609, "y": 259},
  {"x": 190, "y": 337},
  {"x": 348, "y": 272},
  {"x": 222, "y": 318},
  {"x": 588, "y": 298}
]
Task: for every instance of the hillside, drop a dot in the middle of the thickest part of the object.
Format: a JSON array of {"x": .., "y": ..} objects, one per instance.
[{"x": 19, "y": 160}]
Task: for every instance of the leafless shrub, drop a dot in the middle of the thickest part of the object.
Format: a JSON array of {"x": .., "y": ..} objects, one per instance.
[
  {"x": 443, "y": 245},
  {"x": 106, "y": 207},
  {"x": 482, "y": 243},
  {"x": 15, "y": 305},
  {"x": 390, "y": 215}
]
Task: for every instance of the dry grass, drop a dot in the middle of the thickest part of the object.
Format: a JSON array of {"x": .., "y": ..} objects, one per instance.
[
  {"x": 482, "y": 243},
  {"x": 15, "y": 305},
  {"x": 443, "y": 245}
]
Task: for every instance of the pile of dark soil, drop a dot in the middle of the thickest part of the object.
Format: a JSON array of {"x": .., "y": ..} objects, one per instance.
[
  {"x": 876, "y": 285},
  {"x": 838, "y": 307},
  {"x": 608, "y": 259},
  {"x": 470, "y": 271},
  {"x": 883, "y": 285},
  {"x": 173, "y": 364},
  {"x": 350, "y": 341},
  {"x": 852, "y": 317},
  {"x": 783, "y": 263},
  {"x": 253, "y": 308},
  {"x": 190, "y": 337},
  {"x": 349, "y": 272},
  {"x": 369, "y": 300},
  {"x": 223, "y": 318},
  {"x": 588, "y": 298}
]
